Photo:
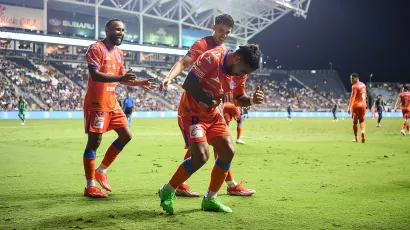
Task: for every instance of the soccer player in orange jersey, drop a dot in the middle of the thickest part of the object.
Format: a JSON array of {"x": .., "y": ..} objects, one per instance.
[
  {"x": 358, "y": 105},
  {"x": 102, "y": 112},
  {"x": 404, "y": 99},
  {"x": 233, "y": 112},
  {"x": 216, "y": 72},
  {"x": 222, "y": 28}
]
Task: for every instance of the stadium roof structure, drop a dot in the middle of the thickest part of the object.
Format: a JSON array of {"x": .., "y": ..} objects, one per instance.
[{"x": 251, "y": 16}]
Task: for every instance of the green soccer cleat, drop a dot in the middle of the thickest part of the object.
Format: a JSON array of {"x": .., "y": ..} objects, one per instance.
[
  {"x": 214, "y": 205},
  {"x": 167, "y": 200}
]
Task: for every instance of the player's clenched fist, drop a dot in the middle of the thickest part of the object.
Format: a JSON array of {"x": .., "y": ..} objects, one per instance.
[
  {"x": 164, "y": 84},
  {"x": 258, "y": 96},
  {"x": 128, "y": 76}
]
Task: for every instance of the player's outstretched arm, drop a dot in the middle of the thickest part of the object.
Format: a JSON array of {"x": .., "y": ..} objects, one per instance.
[
  {"x": 192, "y": 87},
  {"x": 176, "y": 70},
  {"x": 257, "y": 98},
  {"x": 145, "y": 84},
  {"x": 102, "y": 77}
]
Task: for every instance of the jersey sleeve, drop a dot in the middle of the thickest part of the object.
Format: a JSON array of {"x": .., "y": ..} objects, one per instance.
[
  {"x": 239, "y": 90},
  {"x": 93, "y": 57},
  {"x": 196, "y": 50},
  {"x": 204, "y": 66}
]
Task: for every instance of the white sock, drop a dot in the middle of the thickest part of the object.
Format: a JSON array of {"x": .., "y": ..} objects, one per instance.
[
  {"x": 102, "y": 168},
  {"x": 209, "y": 195},
  {"x": 169, "y": 187},
  {"x": 231, "y": 183},
  {"x": 90, "y": 183},
  {"x": 362, "y": 131}
]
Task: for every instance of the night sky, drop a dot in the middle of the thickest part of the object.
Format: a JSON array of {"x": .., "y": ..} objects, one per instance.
[{"x": 362, "y": 36}]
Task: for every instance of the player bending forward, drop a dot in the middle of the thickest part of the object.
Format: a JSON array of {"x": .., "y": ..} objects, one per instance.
[
  {"x": 102, "y": 112},
  {"x": 357, "y": 106},
  {"x": 404, "y": 99},
  {"x": 216, "y": 72}
]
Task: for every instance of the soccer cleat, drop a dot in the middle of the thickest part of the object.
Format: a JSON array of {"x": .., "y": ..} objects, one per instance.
[
  {"x": 403, "y": 132},
  {"x": 214, "y": 205},
  {"x": 94, "y": 192},
  {"x": 239, "y": 190},
  {"x": 239, "y": 141},
  {"x": 184, "y": 190},
  {"x": 101, "y": 178},
  {"x": 23, "y": 123},
  {"x": 355, "y": 139},
  {"x": 378, "y": 126},
  {"x": 363, "y": 138},
  {"x": 167, "y": 200}
]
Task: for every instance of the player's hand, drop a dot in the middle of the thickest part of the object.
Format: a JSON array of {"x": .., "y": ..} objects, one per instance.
[
  {"x": 258, "y": 96},
  {"x": 348, "y": 111},
  {"x": 147, "y": 84},
  {"x": 164, "y": 84},
  {"x": 128, "y": 76}
]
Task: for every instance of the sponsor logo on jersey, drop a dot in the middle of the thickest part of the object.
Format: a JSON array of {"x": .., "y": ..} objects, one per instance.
[
  {"x": 208, "y": 92},
  {"x": 106, "y": 65},
  {"x": 98, "y": 122},
  {"x": 195, "y": 131},
  {"x": 210, "y": 84},
  {"x": 198, "y": 72},
  {"x": 111, "y": 88}
]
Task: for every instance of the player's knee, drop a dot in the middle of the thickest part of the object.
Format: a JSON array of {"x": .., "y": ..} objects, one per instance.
[{"x": 355, "y": 122}]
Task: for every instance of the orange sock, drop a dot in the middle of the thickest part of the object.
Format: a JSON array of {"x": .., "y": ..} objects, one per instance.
[
  {"x": 218, "y": 175},
  {"x": 89, "y": 164},
  {"x": 355, "y": 130},
  {"x": 112, "y": 153},
  {"x": 238, "y": 132},
  {"x": 184, "y": 171},
  {"x": 187, "y": 154}
]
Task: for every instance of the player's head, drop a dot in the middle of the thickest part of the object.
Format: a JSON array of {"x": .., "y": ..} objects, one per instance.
[
  {"x": 246, "y": 60},
  {"x": 20, "y": 98},
  {"x": 406, "y": 88},
  {"x": 128, "y": 94},
  {"x": 222, "y": 28},
  {"x": 114, "y": 31},
  {"x": 354, "y": 77},
  {"x": 379, "y": 96}
]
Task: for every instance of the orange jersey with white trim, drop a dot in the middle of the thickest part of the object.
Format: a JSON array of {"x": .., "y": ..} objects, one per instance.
[
  {"x": 405, "y": 100},
  {"x": 101, "y": 95},
  {"x": 210, "y": 73},
  {"x": 359, "y": 95},
  {"x": 201, "y": 46}
]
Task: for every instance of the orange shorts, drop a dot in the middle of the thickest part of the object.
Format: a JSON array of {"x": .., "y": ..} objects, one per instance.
[
  {"x": 101, "y": 122},
  {"x": 202, "y": 128},
  {"x": 359, "y": 113},
  {"x": 406, "y": 114},
  {"x": 232, "y": 112}
]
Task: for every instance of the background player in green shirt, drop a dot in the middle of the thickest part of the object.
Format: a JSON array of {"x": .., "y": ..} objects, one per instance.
[{"x": 22, "y": 106}]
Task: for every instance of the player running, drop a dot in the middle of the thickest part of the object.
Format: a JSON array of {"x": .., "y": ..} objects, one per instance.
[
  {"x": 22, "y": 107},
  {"x": 404, "y": 99},
  {"x": 233, "y": 112},
  {"x": 222, "y": 28},
  {"x": 379, "y": 104},
  {"x": 200, "y": 118},
  {"x": 357, "y": 106},
  {"x": 334, "y": 111},
  {"x": 101, "y": 110},
  {"x": 129, "y": 104}
]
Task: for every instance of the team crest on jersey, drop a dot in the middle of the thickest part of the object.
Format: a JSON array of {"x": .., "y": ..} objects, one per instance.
[
  {"x": 119, "y": 59},
  {"x": 232, "y": 85},
  {"x": 208, "y": 59}
]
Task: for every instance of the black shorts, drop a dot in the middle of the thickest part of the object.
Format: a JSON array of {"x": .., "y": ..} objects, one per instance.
[
  {"x": 128, "y": 110},
  {"x": 379, "y": 111},
  {"x": 333, "y": 111}
]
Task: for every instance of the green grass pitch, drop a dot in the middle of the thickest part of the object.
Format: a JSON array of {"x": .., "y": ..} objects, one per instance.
[{"x": 307, "y": 174}]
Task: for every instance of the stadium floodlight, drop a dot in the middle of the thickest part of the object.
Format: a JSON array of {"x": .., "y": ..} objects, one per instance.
[
  {"x": 300, "y": 7},
  {"x": 82, "y": 42}
]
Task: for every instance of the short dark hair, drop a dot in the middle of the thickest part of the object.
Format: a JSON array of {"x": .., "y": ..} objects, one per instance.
[
  {"x": 406, "y": 87},
  {"x": 380, "y": 95},
  {"x": 355, "y": 75},
  {"x": 224, "y": 19},
  {"x": 251, "y": 55},
  {"x": 111, "y": 21}
]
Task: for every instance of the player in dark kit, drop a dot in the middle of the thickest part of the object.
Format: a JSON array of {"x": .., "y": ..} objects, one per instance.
[
  {"x": 379, "y": 104},
  {"x": 334, "y": 111},
  {"x": 289, "y": 109}
]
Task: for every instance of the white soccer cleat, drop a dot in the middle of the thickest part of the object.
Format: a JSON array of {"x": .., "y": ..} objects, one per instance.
[
  {"x": 23, "y": 123},
  {"x": 239, "y": 141},
  {"x": 403, "y": 132}
]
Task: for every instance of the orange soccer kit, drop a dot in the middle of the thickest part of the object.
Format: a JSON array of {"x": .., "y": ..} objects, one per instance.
[
  {"x": 197, "y": 121},
  {"x": 405, "y": 108},
  {"x": 101, "y": 110},
  {"x": 358, "y": 105}
]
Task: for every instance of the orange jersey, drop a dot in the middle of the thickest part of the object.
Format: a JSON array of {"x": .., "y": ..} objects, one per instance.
[
  {"x": 209, "y": 71},
  {"x": 100, "y": 96},
  {"x": 359, "y": 95},
  {"x": 201, "y": 46},
  {"x": 405, "y": 101}
]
